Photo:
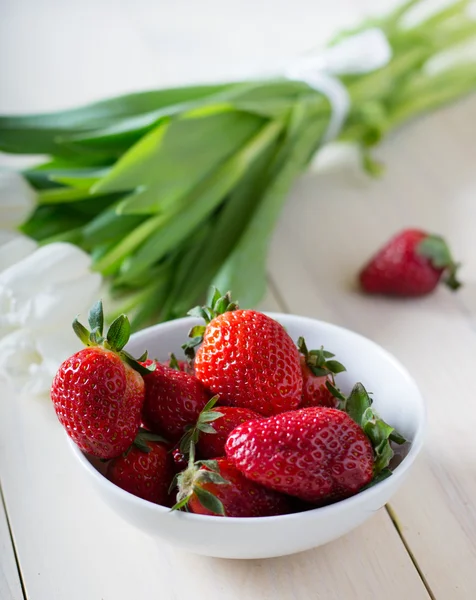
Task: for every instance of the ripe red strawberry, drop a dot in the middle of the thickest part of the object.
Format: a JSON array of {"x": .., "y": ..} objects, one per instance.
[
  {"x": 99, "y": 391},
  {"x": 317, "y": 373},
  {"x": 217, "y": 488},
  {"x": 313, "y": 453},
  {"x": 211, "y": 445},
  {"x": 246, "y": 358},
  {"x": 173, "y": 400},
  {"x": 317, "y": 454},
  {"x": 411, "y": 264},
  {"x": 145, "y": 470}
]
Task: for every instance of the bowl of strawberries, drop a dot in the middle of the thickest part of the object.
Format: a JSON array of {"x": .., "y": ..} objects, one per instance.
[{"x": 239, "y": 434}]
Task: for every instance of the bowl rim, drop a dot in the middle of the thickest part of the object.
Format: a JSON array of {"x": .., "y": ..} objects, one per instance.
[{"x": 340, "y": 505}]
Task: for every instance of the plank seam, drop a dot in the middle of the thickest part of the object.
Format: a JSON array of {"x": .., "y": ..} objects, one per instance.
[
  {"x": 390, "y": 512},
  {"x": 398, "y": 528},
  {"x": 15, "y": 554}
]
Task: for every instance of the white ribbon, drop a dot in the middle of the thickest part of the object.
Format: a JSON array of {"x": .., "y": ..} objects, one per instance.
[{"x": 361, "y": 53}]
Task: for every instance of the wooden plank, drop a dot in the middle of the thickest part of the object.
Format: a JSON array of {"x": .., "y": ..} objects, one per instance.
[
  {"x": 10, "y": 585},
  {"x": 331, "y": 225}
]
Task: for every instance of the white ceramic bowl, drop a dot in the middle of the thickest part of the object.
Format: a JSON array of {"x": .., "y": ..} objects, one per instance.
[{"x": 396, "y": 398}]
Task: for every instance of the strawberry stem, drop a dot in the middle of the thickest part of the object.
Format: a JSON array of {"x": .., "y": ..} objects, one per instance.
[{"x": 190, "y": 483}]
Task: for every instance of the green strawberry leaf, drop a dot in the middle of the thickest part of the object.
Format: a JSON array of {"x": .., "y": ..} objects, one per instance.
[
  {"x": 200, "y": 313},
  {"x": 210, "y": 404},
  {"x": 145, "y": 436},
  {"x": 383, "y": 474},
  {"x": 317, "y": 360},
  {"x": 209, "y": 501},
  {"x": 119, "y": 333},
  {"x": 180, "y": 504},
  {"x": 132, "y": 362},
  {"x": 117, "y": 337},
  {"x": 357, "y": 403},
  {"x": 209, "y": 417},
  {"x": 301, "y": 344},
  {"x": 437, "y": 250},
  {"x": 189, "y": 438},
  {"x": 219, "y": 305},
  {"x": 336, "y": 392},
  {"x": 197, "y": 331},
  {"x": 359, "y": 407},
  {"x": 397, "y": 438},
  {"x": 173, "y": 362},
  {"x": 205, "y": 428},
  {"x": 192, "y": 433},
  {"x": 319, "y": 372},
  {"x": 81, "y": 332},
  {"x": 212, "y": 477},
  {"x": 143, "y": 357},
  {"x": 383, "y": 456},
  {"x": 189, "y": 347},
  {"x": 216, "y": 295},
  {"x": 96, "y": 317},
  {"x": 335, "y": 366},
  {"x": 210, "y": 464},
  {"x": 141, "y": 445}
]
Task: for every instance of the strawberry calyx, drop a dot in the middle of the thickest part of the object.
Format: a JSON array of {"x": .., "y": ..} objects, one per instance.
[
  {"x": 437, "y": 250},
  {"x": 173, "y": 362},
  {"x": 115, "y": 338},
  {"x": 144, "y": 436},
  {"x": 318, "y": 360},
  {"x": 192, "y": 432},
  {"x": 190, "y": 483},
  {"x": 219, "y": 305},
  {"x": 358, "y": 405}
]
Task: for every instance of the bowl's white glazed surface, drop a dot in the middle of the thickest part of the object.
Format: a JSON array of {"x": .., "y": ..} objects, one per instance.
[{"x": 396, "y": 398}]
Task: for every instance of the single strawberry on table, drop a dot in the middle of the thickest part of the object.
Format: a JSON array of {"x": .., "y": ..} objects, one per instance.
[
  {"x": 146, "y": 469},
  {"x": 412, "y": 263},
  {"x": 245, "y": 357},
  {"x": 317, "y": 454},
  {"x": 318, "y": 370},
  {"x": 98, "y": 392},
  {"x": 173, "y": 401},
  {"x": 217, "y": 488}
]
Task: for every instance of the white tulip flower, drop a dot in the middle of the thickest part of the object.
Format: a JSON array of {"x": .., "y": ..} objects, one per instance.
[
  {"x": 39, "y": 297},
  {"x": 17, "y": 199}
]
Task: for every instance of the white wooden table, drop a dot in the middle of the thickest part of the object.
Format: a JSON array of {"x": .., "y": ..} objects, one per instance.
[{"x": 67, "y": 545}]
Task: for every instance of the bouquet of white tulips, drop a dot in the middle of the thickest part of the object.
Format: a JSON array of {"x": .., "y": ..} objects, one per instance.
[{"x": 172, "y": 191}]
